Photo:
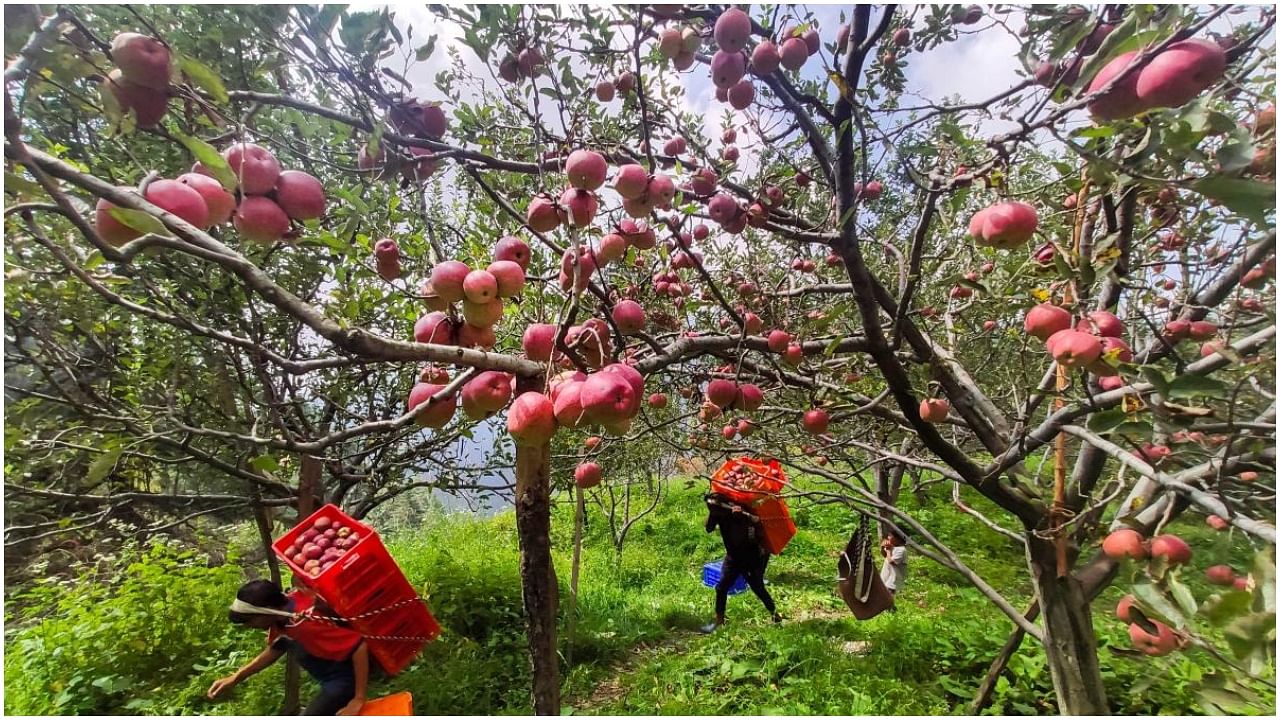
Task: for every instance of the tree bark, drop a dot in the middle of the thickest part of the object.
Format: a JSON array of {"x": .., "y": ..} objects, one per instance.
[
  {"x": 1070, "y": 644},
  {"x": 537, "y": 574}
]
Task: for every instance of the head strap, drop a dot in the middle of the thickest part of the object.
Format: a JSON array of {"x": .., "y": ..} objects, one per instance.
[{"x": 240, "y": 606}]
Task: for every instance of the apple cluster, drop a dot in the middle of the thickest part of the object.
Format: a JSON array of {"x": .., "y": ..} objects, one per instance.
[
  {"x": 269, "y": 198},
  {"x": 140, "y": 80},
  {"x": 318, "y": 547}
]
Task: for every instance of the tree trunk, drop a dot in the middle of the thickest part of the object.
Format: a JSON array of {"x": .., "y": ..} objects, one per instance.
[
  {"x": 1070, "y": 644},
  {"x": 537, "y": 574}
]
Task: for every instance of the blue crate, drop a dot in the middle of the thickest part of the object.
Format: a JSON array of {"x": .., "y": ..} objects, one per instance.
[{"x": 711, "y": 577}]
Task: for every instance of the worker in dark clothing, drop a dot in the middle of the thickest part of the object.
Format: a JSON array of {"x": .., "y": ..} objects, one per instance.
[{"x": 744, "y": 556}]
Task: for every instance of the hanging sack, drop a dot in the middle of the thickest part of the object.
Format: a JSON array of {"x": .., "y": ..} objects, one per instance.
[{"x": 859, "y": 584}]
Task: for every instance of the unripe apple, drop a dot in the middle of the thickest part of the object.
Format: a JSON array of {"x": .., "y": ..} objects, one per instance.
[
  {"x": 1124, "y": 543},
  {"x": 260, "y": 219},
  {"x": 486, "y": 314}
]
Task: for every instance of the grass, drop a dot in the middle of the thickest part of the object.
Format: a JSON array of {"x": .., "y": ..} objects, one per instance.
[{"x": 636, "y": 649}]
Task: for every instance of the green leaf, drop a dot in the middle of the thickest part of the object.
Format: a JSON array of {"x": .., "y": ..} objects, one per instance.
[
  {"x": 1107, "y": 420},
  {"x": 1190, "y": 386},
  {"x": 1181, "y": 595},
  {"x": 1157, "y": 379},
  {"x": 425, "y": 51},
  {"x": 1110, "y": 47},
  {"x": 204, "y": 76},
  {"x": 20, "y": 186},
  {"x": 140, "y": 221},
  {"x": 1222, "y": 608},
  {"x": 209, "y": 157},
  {"x": 102, "y": 465},
  {"x": 1153, "y": 602},
  {"x": 265, "y": 462},
  {"x": 1251, "y": 198},
  {"x": 1237, "y": 150},
  {"x": 1251, "y": 632}
]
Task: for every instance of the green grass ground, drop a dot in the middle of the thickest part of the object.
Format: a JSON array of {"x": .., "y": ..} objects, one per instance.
[{"x": 636, "y": 649}]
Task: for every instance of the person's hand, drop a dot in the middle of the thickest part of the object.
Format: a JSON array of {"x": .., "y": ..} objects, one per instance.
[
  {"x": 220, "y": 686},
  {"x": 353, "y": 707}
]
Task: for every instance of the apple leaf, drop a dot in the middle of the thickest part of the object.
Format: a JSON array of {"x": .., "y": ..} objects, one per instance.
[
  {"x": 209, "y": 157},
  {"x": 1110, "y": 47},
  {"x": 205, "y": 77},
  {"x": 142, "y": 222},
  {"x": 1250, "y": 198},
  {"x": 102, "y": 466},
  {"x": 21, "y": 187},
  {"x": 425, "y": 51},
  {"x": 1181, "y": 595},
  {"x": 1107, "y": 420},
  {"x": 1191, "y": 386},
  {"x": 1237, "y": 150},
  {"x": 265, "y": 462},
  {"x": 1155, "y": 603},
  {"x": 1222, "y": 608}
]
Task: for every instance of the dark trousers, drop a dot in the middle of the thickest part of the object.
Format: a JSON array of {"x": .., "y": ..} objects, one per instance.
[
  {"x": 752, "y": 568},
  {"x": 337, "y": 680}
]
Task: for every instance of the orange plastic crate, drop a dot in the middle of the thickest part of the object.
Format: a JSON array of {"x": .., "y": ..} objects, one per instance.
[
  {"x": 364, "y": 580},
  {"x": 769, "y": 479},
  {"x": 400, "y": 703},
  {"x": 762, "y": 497}
]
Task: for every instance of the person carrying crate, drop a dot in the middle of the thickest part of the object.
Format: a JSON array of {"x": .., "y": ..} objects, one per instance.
[
  {"x": 336, "y": 656},
  {"x": 744, "y": 555}
]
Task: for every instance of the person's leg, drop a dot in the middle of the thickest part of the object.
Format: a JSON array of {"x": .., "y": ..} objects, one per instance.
[
  {"x": 337, "y": 680},
  {"x": 755, "y": 580},
  {"x": 333, "y": 696},
  {"x": 729, "y": 574}
]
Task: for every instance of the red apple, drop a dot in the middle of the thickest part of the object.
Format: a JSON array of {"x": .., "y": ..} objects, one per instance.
[
  {"x": 1124, "y": 543},
  {"x": 531, "y": 419},
  {"x": 255, "y": 166}
]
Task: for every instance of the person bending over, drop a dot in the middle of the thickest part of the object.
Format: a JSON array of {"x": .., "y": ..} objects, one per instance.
[
  {"x": 337, "y": 657},
  {"x": 743, "y": 554}
]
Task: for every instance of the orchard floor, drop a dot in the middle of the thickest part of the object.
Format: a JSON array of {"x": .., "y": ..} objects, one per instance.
[{"x": 636, "y": 648}]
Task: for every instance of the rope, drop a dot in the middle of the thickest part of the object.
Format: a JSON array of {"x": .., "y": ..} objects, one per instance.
[{"x": 310, "y": 614}]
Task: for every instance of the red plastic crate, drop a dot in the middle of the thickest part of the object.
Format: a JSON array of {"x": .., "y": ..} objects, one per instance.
[{"x": 364, "y": 580}]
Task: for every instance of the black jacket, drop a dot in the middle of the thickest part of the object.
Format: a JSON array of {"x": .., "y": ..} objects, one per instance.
[{"x": 739, "y": 528}]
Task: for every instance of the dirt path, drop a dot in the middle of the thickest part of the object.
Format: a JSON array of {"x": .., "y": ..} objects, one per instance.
[{"x": 610, "y": 689}]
